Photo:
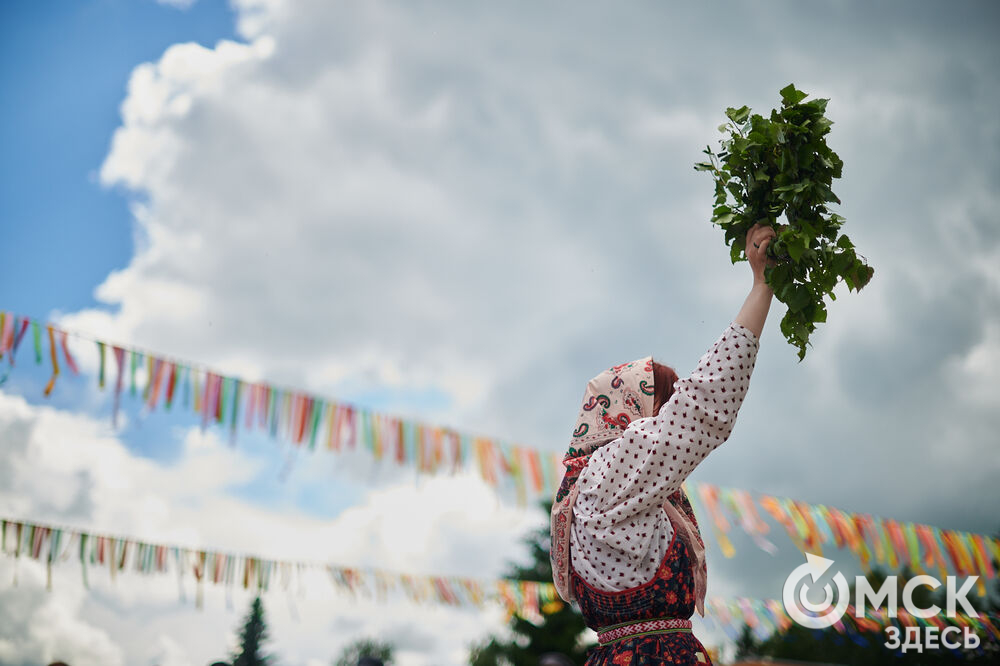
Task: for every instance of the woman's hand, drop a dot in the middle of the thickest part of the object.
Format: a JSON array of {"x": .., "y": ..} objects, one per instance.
[
  {"x": 758, "y": 238},
  {"x": 754, "y": 311}
]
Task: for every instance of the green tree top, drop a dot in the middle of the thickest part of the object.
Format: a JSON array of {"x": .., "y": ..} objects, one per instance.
[
  {"x": 365, "y": 647},
  {"x": 252, "y": 638}
]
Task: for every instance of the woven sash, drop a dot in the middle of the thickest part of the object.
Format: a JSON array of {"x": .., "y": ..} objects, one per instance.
[{"x": 632, "y": 629}]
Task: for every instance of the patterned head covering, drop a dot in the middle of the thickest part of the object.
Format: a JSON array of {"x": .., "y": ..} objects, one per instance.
[{"x": 613, "y": 399}]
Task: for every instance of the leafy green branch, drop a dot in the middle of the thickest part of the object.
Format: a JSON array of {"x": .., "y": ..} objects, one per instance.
[{"x": 782, "y": 166}]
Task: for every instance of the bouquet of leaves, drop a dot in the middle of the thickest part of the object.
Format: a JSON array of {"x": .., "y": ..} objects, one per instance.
[{"x": 781, "y": 166}]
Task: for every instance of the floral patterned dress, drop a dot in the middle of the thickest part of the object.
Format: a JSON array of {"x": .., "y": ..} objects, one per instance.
[{"x": 668, "y": 595}]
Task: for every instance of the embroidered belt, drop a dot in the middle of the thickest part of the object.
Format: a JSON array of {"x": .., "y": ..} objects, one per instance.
[{"x": 632, "y": 629}]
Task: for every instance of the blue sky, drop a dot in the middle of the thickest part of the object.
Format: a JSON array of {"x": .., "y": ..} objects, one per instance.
[
  {"x": 64, "y": 67},
  {"x": 460, "y": 213}
]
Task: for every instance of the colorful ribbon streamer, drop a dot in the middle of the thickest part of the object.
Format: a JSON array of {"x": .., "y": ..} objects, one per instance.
[
  {"x": 527, "y": 599},
  {"x": 314, "y": 422},
  {"x": 53, "y": 545}
]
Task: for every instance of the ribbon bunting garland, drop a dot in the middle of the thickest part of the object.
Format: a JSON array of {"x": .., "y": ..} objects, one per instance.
[
  {"x": 314, "y": 422},
  {"x": 527, "y": 599},
  {"x": 303, "y": 419},
  {"x": 50, "y": 544}
]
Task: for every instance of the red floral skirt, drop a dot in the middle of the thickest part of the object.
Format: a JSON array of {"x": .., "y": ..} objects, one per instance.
[{"x": 670, "y": 594}]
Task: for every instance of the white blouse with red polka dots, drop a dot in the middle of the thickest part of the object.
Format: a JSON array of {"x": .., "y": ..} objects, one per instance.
[{"x": 620, "y": 532}]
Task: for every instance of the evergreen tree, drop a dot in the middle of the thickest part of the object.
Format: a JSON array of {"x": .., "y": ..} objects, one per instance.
[
  {"x": 365, "y": 647},
  {"x": 252, "y": 638},
  {"x": 747, "y": 645},
  {"x": 559, "y": 630}
]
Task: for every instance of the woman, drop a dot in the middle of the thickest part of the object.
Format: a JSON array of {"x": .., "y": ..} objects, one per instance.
[{"x": 625, "y": 544}]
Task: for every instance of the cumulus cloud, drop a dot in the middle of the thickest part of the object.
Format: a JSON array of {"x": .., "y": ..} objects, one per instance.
[
  {"x": 97, "y": 479},
  {"x": 452, "y": 216},
  {"x": 168, "y": 652},
  {"x": 98, "y": 485},
  {"x": 38, "y": 628}
]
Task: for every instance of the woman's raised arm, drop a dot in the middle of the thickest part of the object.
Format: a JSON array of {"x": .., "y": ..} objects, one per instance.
[
  {"x": 754, "y": 311},
  {"x": 655, "y": 454}
]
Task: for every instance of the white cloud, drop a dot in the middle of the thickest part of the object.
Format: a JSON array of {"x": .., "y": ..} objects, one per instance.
[
  {"x": 351, "y": 204},
  {"x": 168, "y": 652},
  {"x": 670, "y": 125},
  {"x": 74, "y": 466},
  {"x": 37, "y": 627},
  {"x": 65, "y": 468},
  {"x": 177, "y": 4},
  {"x": 977, "y": 373}
]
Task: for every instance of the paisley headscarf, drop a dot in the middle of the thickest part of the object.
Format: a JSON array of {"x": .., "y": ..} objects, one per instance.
[{"x": 613, "y": 399}]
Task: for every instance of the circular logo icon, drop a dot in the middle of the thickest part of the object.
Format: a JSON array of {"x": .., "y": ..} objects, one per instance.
[{"x": 813, "y": 575}]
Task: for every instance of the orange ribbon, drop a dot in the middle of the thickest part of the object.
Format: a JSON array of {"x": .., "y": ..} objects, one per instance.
[{"x": 55, "y": 362}]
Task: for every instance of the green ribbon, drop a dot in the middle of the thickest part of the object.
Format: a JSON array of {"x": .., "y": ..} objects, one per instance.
[
  {"x": 36, "y": 334},
  {"x": 187, "y": 386},
  {"x": 83, "y": 559},
  {"x": 175, "y": 372},
  {"x": 273, "y": 411},
  {"x": 133, "y": 362},
  {"x": 318, "y": 407},
  {"x": 235, "y": 412},
  {"x": 100, "y": 375},
  {"x": 224, "y": 392}
]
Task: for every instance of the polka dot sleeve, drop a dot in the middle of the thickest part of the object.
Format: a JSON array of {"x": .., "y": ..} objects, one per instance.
[{"x": 619, "y": 531}]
